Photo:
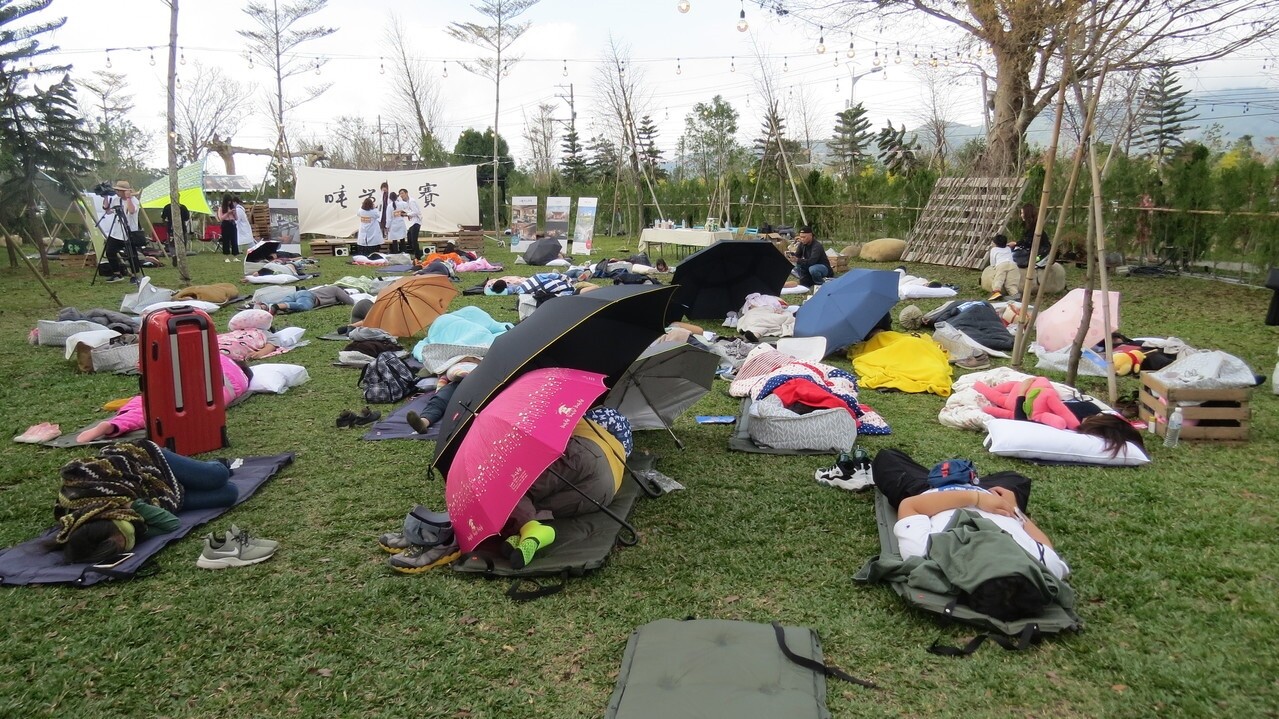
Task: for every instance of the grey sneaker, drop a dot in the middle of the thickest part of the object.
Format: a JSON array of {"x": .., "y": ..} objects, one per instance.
[
  {"x": 393, "y": 542},
  {"x": 231, "y": 552},
  {"x": 417, "y": 559},
  {"x": 235, "y": 533}
]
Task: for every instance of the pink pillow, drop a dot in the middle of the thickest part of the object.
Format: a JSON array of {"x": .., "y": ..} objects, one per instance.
[{"x": 251, "y": 320}]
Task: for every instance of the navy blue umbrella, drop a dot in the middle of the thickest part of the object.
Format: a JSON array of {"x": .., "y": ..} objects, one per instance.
[{"x": 845, "y": 309}]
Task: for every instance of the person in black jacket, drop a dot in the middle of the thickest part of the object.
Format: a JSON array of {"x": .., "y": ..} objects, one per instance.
[{"x": 811, "y": 265}]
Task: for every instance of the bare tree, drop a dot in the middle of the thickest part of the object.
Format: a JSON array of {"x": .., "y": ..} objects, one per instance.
[
  {"x": 620, "y": 88},
  {"x": 1026, "y": 38},
  {"x": 542, "y": 139},
  {"x": 805, "y": 118},
  {"x": 208, "y": 105},
  {"x": 352, "y": 143},
  {"x": 935, "y": 113},
  {"x": 179, "y": 237},
  {"x": 496, "y": 38},
  {"x": 415, "y": 96},
  {"x": 273, "y": 41}
]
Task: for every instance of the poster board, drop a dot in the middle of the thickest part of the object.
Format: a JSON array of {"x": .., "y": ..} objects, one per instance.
[
  {"x": 523, "y": 222},
  {"x": 584, "y": 230},
  {"x": 284, "y": 224},
  {"x": 328, "y": 199},
  {"x": 557, "y": 217}
]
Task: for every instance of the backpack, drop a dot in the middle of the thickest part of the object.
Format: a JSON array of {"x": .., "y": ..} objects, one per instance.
[
  {"x": 1021, "y": 256},
  {"x": 953, "y": 472},
  {"x": 386, "y": 379}
]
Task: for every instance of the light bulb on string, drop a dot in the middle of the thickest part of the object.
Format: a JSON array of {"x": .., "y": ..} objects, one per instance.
[
  {"x": 932, "y": 60},
  {"x": 109, "y": 60},
  {"x": 821, "y": 41},
  {"x": 897, "y": 59},
  {"x": 250, "y": 57},
  {"x": 381, "y": 66},
  {"x": 876, "y": 62},
  {"x": 152, "y": 60},
  {"x": 837, "y": 60},
  {"x": 182, "y": 57},
  {"x": 945, "y": 60},
  {"x": 177, "y": 82},
  {"x": 732, "y": 64},
  {"x": 506, "y": 70},
  {"x": 317, "y": 67},
  {"x": 679, "y": 68},
  {"x": 684, "y": 6},
  {"x": 852, "y": 52},
  {"x": 565, "y": 72},
  {"x": 836, "y": 86},
  {"x": 785, "y": 64},
  {"x": 742, "y": 25},
  {"x": 668, "y": 113},
  {"x": 915, "y": 61},
  {"x": 446, "y": 68}
]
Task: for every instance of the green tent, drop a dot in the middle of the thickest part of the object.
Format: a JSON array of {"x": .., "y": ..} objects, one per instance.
[{"x": 190, "y": 190}]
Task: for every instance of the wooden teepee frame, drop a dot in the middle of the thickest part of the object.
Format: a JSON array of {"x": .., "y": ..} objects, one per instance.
[{"x": 961, "y": 216}]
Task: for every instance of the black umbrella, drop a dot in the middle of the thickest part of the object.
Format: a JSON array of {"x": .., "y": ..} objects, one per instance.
[
  {"x": 262, "y": 251},
  {"x": 715, "y": 281},
  {"x": 542, "y": 251},
  {"x": 601, "y": 331}
]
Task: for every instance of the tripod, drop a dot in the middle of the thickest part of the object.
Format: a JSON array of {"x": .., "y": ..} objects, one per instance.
[{"x": 130, "y": 252}]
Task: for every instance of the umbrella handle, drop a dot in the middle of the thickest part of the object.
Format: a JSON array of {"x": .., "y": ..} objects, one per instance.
[
  {"x": 630, "y": 541},
  {"x": 652, "y": 493}
]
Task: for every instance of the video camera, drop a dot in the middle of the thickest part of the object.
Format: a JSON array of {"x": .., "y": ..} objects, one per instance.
[{"x": 104, "y": 189}]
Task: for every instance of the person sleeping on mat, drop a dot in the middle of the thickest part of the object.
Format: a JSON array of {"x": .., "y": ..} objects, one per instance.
[
  {"x": 1034, "y": 399},
  {"x": 107, "y": 504},
  {"x": 131, "y": 417},
  {"x": 594, "y": 461}
]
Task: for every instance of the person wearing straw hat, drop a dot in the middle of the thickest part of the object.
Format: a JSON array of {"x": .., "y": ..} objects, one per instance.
[{"x": 116, "y": 227}]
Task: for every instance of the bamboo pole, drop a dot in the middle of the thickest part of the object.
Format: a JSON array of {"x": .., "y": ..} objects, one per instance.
[
  {"x": 1107, "y": 325},
  {"x": 52, "y": 295},
  {"x": 1023, "y": 324}
]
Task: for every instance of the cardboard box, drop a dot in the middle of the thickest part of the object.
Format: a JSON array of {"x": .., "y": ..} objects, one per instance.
[{"x": 1221, "y": 415}]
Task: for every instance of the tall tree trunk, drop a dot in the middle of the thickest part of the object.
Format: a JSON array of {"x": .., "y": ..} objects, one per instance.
[
  {"x": 497, "y": 104},
  {"x": 179, "y": 237},
  {"x": 1012, "y": 94}
]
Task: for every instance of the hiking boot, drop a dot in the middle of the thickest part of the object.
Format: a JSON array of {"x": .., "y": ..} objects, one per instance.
[
  {"x": 533, "y": 536},
  {"x": 981, "y": 360},
  {"x": 393, "y": 542},
  {"x": 417, "y": 558},
  {"x": 235, "y": 533},
  {"x": 231, "y": 552}
]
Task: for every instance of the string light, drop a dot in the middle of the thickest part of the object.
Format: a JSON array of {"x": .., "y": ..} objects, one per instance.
[
  {"x": 684, "y": 6},
  {"x": 732, "y": 64},
  {"x": 152, "y": 50},
  {"x": 876, "y": 62},
  {"x": 109, "y": 60},
  {"x": 852, "y": 52},
  {"x": 679, "y": 68},
  {"x": 182, "y": 57},
  {"x": 317, "y": 66},
  {"x": 742, "y": 25},
  {"x": 932, "y": 60},
  {"x": 897, "y": 59},
  {"x": 446, "y": 68},
  {"x": 821, "y": 41},
  {"x": 565, "y": 72},
  {"x": 250, "y": 57},
  {"x": 177, "y": 82},
  {"x": 836, "y": 86},
  {"x": 915, "y": 61},
  {"x": 785, "y": 64},
  {"x": 381, "y": 66}
]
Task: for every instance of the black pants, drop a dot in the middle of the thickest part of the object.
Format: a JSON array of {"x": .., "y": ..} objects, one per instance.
[
  {"x": 898, "y": 476},
  {"x": 113, "y": 252},
  {"x": 411, "y": 243},
  {"x": 230, "y": 238}
]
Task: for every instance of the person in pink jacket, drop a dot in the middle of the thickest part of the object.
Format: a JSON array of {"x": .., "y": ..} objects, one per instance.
[{"x": 130, "y": 417}]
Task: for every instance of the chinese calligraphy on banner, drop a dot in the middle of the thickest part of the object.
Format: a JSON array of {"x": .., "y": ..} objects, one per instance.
[{"x": 328, "y": 199}]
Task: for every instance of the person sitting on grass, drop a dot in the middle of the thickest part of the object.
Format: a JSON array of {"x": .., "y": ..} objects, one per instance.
[
  {"x": 812, "y": 266},
  {"x": 132, "y": 417},
  {"x": 927, "y": 503},
  {"x": 593, "y": 460},
  {"x": 107, "y": 504},
  {"x": 306, "y": 300}
]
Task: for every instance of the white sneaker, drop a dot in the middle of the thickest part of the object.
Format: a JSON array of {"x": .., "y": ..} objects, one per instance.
[
  {"x": 846, "y": 474},
  {"x": 731, "y": 320}
]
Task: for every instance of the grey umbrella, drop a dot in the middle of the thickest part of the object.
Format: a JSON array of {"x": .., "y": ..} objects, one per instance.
[{"x": 667, "y": 379}]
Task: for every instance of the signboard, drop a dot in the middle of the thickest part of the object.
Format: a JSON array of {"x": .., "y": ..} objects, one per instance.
[
  {"x": 557, "y": 215},
  {"x": 584, "y": 232},
  {"x": 284, "y": 224},
  {"x": 523, "y": 222},
  {"x": 328, "y": 199}
]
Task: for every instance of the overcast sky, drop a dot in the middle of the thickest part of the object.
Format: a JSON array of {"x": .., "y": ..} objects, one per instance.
[{"x": 563, "y": 46}]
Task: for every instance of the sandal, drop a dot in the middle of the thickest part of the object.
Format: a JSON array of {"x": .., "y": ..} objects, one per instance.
[
  {"x": 368, "y": 416},
  {"x": 347, "y": 419}
]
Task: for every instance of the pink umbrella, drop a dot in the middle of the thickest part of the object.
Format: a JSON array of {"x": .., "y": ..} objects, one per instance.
[
  {"x": 1055, "y": 327},
  {"x": 510, "y": 443}
]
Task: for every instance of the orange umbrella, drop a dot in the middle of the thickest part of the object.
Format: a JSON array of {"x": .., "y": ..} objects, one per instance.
[{"x": 411, "y": 304}]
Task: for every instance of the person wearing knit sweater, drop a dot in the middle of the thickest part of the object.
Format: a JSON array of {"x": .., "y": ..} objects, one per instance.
[{"x": 108, "y": 503}]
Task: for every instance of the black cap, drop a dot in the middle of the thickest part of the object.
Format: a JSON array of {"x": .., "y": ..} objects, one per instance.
[{"x": 807, "y": 228}]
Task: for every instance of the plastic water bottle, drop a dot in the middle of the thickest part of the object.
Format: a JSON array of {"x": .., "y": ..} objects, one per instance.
[{"x": 1173, "y": 435}]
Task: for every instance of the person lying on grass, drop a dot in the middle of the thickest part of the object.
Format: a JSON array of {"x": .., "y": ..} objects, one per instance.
[
  {"x": 314, "y": 298},
  {"x": 108, "y": 503},
  {"x": 1034, "y": 399},
  {"x": 927, "y": 503},
  {"x": 593, "y": 460},
  {"x": 131, "y": 417},
  {"x": 246, "y": 336},
  {"x": 444, "y": 389}
]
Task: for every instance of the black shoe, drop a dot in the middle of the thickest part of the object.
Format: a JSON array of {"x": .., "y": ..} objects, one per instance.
[
  {"x": 346, "y": 420},
  {"x": 368, "y": 416},
  {"x": 116, "y": 278},
  {"x": 417, "y": 423}
]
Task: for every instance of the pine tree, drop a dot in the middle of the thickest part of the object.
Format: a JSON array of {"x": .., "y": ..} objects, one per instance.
[
  {"x": 850, "y": 146},
  {"x": 646, "y": 134},
  {"x": 899, "y": 155},
  {"x": 573, "y": 165},
  {"x": 603, "y": 160},
  {"x": 772, "y": 130},
  {"x": 1164, "y": 114}
]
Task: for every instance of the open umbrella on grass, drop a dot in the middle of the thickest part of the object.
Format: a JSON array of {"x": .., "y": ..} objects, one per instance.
[
  {"x": 715, "y": 281},
  {"x": 844, "y": 310},
  {"x": 410, "y": 304}
]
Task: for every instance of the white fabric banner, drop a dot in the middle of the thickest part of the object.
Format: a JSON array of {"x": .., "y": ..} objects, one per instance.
[
  {"x": 328, "y": 199},
  {"x": 523, "y": 222},
  {"x": 584, "y": 231}
]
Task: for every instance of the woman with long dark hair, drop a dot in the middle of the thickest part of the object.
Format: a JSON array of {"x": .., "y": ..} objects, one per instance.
[{"x": 230, "y": 233}]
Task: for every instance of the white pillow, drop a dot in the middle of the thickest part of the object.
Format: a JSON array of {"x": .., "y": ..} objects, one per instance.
[
  {"x": 1031, "y": 440},
  {"x": 270, "y": 279},
  {"x": 277, "y": 378}
]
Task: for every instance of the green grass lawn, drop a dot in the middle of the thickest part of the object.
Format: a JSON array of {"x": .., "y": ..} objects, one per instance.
[{"x": 1175, "y": 563}]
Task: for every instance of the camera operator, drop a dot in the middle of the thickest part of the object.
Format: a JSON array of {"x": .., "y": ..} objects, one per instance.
[{"x": 118, "y": 222}]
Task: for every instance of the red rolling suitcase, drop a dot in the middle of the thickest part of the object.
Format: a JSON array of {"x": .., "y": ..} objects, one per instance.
[{"x": 182, "y": 381}]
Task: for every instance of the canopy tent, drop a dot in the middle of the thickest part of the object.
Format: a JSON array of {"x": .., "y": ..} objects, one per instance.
[{"x": 193, "y": 183}]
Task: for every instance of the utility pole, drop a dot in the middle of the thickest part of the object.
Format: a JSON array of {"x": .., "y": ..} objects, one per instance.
[
  {"x": 572, "y": 108},
  {"x": 178, "y": 237},
  {"x": 852, "y": 85}
]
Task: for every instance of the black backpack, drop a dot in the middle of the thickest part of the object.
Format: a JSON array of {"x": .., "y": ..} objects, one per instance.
[{"x": 386, "y": 379}]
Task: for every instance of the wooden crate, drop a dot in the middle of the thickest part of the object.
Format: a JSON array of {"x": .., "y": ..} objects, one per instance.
[{"x": 1230, "y": 413}]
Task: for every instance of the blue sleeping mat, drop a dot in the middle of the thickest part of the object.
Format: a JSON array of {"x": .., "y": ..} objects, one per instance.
[
  {"x": 36, "y": 561},
  {"x": 396, "y": 426}
]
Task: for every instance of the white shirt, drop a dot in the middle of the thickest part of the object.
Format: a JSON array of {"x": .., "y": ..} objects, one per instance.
[
  {"x": 396, "y": 227},
  {"x": 370, "y": 233},
  {"x": 913, "y": 532},
  {"x": 110, "y": 226},
  {"x": 414, "y": 210},
  {"x": 1000, "y": 254},
  {"x": 243, "y": 230}
]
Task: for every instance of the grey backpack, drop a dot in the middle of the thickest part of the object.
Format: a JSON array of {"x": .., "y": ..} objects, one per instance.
[{"x": 386, "y": 379}]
